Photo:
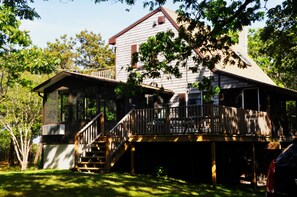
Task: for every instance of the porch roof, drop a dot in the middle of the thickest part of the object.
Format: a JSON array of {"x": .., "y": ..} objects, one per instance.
[
  {"x": 62, "y": 75},
  {"x": 286, "y": 92}
]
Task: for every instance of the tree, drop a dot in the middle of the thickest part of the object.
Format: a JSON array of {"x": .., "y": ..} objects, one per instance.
[
  {"x": 15, "y": 54},
  {"x": 63, "y": 49},
  {"x": 280, "y": 42},
  {"x": 18, "y": 109},
  {"x": 256, "y": 50},
  {"x": 85, "y": 51},
  {"x": 21, "y": 117},
  {"x": 92, "y": 51},
  {"x": 10, "y": 34}
]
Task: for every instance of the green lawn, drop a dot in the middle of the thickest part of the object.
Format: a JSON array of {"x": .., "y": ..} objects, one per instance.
[{"x": 67, "y": 183}]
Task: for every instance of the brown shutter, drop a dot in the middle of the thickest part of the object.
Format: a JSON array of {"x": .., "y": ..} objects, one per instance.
[
  {"x": 161, "y": 20},
  {"x": 133, "y": 50}
]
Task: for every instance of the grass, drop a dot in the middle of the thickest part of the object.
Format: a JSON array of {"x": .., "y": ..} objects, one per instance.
[{"x": 66, "y": 183}]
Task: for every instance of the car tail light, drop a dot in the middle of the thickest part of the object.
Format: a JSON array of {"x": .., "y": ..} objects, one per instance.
[{"x": 270, "y": 182}]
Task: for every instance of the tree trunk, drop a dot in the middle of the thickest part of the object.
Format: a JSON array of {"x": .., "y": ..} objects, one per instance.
[{"x": 24, "y": 162}]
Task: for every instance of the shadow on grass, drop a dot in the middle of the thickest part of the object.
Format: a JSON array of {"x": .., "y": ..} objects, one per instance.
[{"x": 67, "y": 183}]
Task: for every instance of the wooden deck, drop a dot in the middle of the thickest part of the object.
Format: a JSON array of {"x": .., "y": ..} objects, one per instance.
[
  {"x": 97, "y": 150},
  {"x": 197, "y": 120}
]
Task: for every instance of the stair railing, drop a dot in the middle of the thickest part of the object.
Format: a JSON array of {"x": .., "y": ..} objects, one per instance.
[
  {"x": 121, "y": 132},
  {"x": 88, "y": 134}
]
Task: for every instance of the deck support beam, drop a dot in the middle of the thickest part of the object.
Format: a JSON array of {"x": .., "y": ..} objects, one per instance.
[
  {"x": 213, "y": 165},
  {"x": 254, "y": 176},
  {"x": 132, "y": 159}
]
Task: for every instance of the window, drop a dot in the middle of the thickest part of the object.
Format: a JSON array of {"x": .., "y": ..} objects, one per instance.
[
  {"x": 77, "y": 105},
  {"x": 133, "y": 50}
]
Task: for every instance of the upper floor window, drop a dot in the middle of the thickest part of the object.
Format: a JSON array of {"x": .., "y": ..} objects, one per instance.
[{"x": 133, "y": 51}]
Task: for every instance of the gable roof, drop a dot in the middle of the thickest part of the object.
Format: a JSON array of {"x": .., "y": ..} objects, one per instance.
[
  {"x": 170, "y": 15},
  {"x": 252, "y": 72},
  {"x": 64, "y": 74}
]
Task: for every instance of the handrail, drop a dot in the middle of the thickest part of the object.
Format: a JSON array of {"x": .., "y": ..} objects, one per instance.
[
  {"x": 120, "y": 132},
  {"x": 88, "y": 134},
  {"x": 89, "y": 123},
  {"x": 121, "y": 121}
]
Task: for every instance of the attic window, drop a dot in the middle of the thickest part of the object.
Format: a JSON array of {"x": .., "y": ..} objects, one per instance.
[
  {"x": 161, "y": 20},
  {"x": 133, "y": 50},
  {"x": 243, "y": 58}
]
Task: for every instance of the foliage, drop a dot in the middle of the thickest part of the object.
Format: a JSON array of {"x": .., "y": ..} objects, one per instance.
[
  {"x": 19, "y": 109},
  {"x": 86, "y": 51},
  {"x": 93, "y": 53},
  {"x": 21, "y": 8},
  {"x": 206, "y": 85},
  {"x": 63, "y": 50},
  {"x": 280, "y": 42},
  {"x": 4, "y": 144},
  {"x": 21, "y": 117},
  {"x": 13, "y": 65},
  {"x": 15, "y": 56},
  {"x": 67, "y": 183},
  {"x": 255, "y": 46},
  {"x": 11, "y": 36},
  {"x": 10, "y": 13}
]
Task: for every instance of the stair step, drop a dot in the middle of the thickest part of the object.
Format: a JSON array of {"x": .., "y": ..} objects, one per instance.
[
  {"x": 97, "y": 148},
  {"x": 79, "y": 165},
  {"x": 95, "y": 154},
  {"x": 90, "y": 169},
  {"x": 92, "y": 162},
  {"x": 93, "y": 159}
]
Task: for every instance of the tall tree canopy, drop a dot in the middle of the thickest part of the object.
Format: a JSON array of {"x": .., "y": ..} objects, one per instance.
[
  {"x": 85, "y": 51},
  {"x": 280, "y": 42},
  {"x": 16, "y": 55}
]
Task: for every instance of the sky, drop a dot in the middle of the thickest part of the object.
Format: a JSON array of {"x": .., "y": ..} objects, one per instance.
[{"x": 59, "y": 17}]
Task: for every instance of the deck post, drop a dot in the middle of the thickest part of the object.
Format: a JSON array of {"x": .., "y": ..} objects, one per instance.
[
  {"x": 254, "y": 176},
  {"x": 132, "y": 130},
  {"x": 107, "y": 154},
  {"x": 213, "y": 165},
  {"x": 132, "y": 159}
]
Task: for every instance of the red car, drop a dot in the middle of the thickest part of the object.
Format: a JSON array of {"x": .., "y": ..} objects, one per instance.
[{"x": 282, "y": 173}]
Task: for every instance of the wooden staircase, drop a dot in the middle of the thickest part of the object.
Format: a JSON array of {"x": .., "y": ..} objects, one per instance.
[
  {"x": 94, "y": 160},
  {"x": 96, "y": 151}
]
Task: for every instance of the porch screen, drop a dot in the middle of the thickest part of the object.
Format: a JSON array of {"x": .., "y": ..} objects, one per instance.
[{"x": 51, "y": 108}]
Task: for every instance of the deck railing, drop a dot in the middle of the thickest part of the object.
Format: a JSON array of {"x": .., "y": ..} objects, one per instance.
[
  {"x": 106, "y": 73},
  {"x": 120, "y": 133},
  {"x": 88, "y": 134},
  {"x": 201, "y": 119}
]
